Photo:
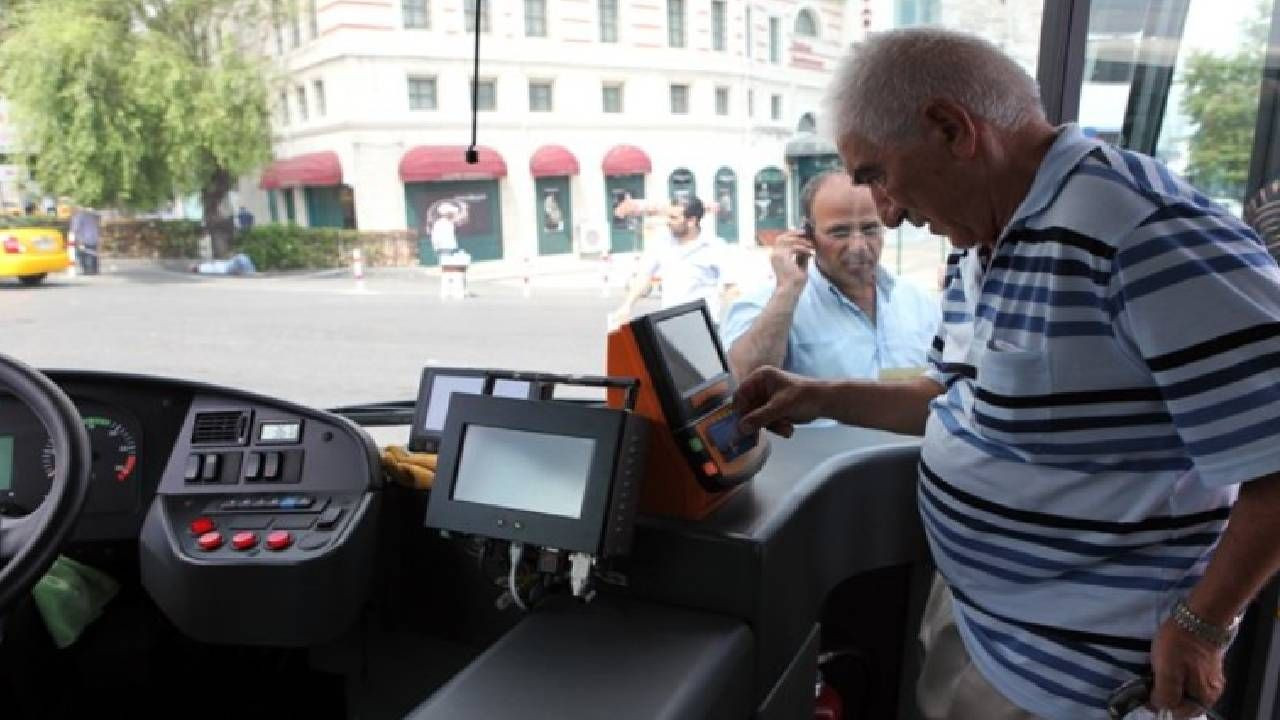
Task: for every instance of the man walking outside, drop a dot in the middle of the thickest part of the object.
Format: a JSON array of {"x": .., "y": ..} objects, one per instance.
[{"x": 85, "y": 227}]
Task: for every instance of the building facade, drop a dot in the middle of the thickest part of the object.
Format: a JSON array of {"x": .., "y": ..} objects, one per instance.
[{"x": 590, "y": 110}]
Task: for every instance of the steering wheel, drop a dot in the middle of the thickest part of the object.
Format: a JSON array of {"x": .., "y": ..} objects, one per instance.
[{"x": 30, "y": 544}]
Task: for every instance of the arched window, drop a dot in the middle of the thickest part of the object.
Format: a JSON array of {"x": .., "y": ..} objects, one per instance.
[
  {"x": 808, "y": 123},
  {"x": 806, "y": 24}
]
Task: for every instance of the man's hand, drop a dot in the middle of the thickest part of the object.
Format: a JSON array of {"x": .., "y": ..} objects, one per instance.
[
  {"x": 1186, "y": 671},
  {"x": 789, "y": 251},
  {"x": 777, "y": 400}
]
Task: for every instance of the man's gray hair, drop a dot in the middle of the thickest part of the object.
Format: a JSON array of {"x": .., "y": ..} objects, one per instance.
[{"x": 881, "y": 87}]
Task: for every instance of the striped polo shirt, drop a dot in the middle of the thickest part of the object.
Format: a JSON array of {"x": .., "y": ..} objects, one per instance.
[{"x": 1112, "y": 372}]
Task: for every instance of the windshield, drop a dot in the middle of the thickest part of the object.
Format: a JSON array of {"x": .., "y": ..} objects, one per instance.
[{"x": 280, "y": 199}]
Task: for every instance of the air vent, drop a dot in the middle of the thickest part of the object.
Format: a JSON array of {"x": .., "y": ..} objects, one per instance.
[{"x": 221, "y": 428}]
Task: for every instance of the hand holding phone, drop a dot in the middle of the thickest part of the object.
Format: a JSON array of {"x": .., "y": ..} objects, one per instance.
[
  {"x": 802, "y": 259},
  {"x": 790, "y": 257}
]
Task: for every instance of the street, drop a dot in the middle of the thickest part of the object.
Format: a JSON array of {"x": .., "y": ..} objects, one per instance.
[
  {"x": 318, "y": 340},
  {"x": 324, "y": 339}
]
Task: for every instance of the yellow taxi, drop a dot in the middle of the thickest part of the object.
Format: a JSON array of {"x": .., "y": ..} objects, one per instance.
[{"x": 31, "y": 253}]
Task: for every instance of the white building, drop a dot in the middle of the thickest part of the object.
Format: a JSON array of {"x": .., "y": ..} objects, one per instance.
[{"x": 582, "y": 102}]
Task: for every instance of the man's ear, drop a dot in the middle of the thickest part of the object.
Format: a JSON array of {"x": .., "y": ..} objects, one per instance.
[{"x": 952, "y": 125}]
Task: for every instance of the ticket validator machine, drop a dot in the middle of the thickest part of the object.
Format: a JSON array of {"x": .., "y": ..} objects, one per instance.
[
  {"x": 559, "y": 478},
  {"x": 685, "y": 388}
]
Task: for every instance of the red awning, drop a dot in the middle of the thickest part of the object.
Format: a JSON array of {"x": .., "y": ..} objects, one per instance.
[
  {"x": 429, "y": 163},
  {"x": 626, "y": 160},
  {"x": 312, "y": 169},
  {"x": 553, "y": 160}
]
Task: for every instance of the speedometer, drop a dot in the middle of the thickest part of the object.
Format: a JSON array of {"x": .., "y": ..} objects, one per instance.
[
  {"x": 113, "y": 486},
  {"x": 115, "y": 452}
]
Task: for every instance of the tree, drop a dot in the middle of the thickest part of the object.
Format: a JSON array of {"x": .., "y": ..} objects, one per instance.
[
  {"x": 1222, "y": 94},
  {"x": 124, "y": 102}
]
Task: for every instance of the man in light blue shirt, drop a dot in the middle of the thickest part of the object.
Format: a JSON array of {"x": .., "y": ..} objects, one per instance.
[{"x": 833, "y": 311}]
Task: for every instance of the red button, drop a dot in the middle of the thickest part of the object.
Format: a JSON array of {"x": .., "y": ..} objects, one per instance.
[
  {"x": 244, "y": 540},
  {"x": 202, "y": 525},
  {"x": 279, "y": 540},
  {"x": 210, "y": 541},
  {"x": 709, "y": 469}
]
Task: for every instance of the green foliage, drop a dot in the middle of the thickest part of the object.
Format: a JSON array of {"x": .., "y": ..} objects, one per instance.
[
  {"x": 291, "y": 247},
  {"x": 1222, "y": 95},
  {"x": 30, "y": 221},
  {"x": 152, "y": 238},
  {"x": 124, "y": 102}
]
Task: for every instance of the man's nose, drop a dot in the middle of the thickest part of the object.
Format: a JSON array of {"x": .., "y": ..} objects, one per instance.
[{"x": 889, "y": 212}]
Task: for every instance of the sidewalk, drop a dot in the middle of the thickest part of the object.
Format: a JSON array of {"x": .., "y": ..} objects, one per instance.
[{"x": 749, "y": 266}]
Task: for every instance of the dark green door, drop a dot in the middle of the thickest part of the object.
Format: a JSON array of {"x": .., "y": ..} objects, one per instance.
[
  {"x": 478, "y": 205},
  {"x": 803, "y": 169},
  {"x": 271, "y": 206},
  {"x": 290, "y": 213},
  {"x": 681, "y": 185},
  {"x": 555, "y": 216},
  {"x": 324, "y": 206},
  {"x": 624, "y": 232},
  {"x": 726, "y": 199},
  {"x": 770, "y": 201}
]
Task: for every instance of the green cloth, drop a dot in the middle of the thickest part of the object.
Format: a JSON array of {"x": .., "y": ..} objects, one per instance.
[{"x": 70, "y": 596}]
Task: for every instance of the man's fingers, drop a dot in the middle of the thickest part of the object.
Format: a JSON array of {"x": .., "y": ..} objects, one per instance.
[
  {"x": 765, "y": 416},
  {"x": 782, "y": 428},
  {"x": 1204, "y": 689},
  {"x": 1167, "y": 690},
  {"x": 792, "y": 243}
]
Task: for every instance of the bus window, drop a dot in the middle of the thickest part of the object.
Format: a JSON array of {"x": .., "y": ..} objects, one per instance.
[{"x": 1180, "y": 81}]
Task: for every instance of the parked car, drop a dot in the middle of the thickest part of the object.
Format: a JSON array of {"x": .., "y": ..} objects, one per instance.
[{"x": 31, "y": 253}]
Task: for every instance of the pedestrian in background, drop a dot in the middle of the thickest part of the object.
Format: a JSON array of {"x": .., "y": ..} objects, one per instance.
[{"x": 86, "y": 225}]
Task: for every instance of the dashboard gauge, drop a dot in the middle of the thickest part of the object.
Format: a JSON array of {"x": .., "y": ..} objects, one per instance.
[
  {"x": 114, "y": 464},
  {"x": 115, "y": 452}
]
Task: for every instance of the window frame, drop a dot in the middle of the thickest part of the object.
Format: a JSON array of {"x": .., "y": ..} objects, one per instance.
[
  {"x": 604, "y": 104},
  {"x": 722, "y": 100},
  {"x": 719, "y": 25},
  {"x": 607, "y": 21},
  {"x": 418, "y": 82},
  {"x": 540, "y": 18},
  {"x": 812, "y": 19},
  {"x": 469, "y": 9},
  {"x": 775, "y": 40},
  {"x": 304, "y": 112},
  {"x": 492, "y": 85},
  {"x": 420, "y": 8},
  {"x": 677, "y": 24},
  {"x": 681, "y": 90},
  {"x": 540, "y": 85},
  {"x": 317, "y": 90}
]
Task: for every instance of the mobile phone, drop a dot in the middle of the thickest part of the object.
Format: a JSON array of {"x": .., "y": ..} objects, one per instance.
[{"x": 802, "y": 259}]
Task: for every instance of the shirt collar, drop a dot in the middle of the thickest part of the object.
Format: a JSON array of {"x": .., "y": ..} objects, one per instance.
[{"x": 1064, "y": 155}]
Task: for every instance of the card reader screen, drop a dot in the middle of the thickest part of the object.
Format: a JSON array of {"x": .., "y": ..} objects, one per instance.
[
  {"x": 728, "y": 440},
  {"x": 524, "y": 470},
  {"x": 442, "y": 387},
  {"x": 689, "y": 350}
]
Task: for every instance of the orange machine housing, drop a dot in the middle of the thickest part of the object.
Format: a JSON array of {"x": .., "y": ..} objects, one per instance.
[{"x": 670, "y": 487}]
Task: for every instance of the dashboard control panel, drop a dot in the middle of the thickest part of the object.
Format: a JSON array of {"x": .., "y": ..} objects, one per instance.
[{"x": 262, "y": 495}]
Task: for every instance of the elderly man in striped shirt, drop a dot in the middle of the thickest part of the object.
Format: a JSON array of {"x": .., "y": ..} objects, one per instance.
[{"x": 1099, "y": 477}]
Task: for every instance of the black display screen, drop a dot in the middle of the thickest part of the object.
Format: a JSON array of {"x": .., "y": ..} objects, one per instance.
[{"x": 689, "y": 350}]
